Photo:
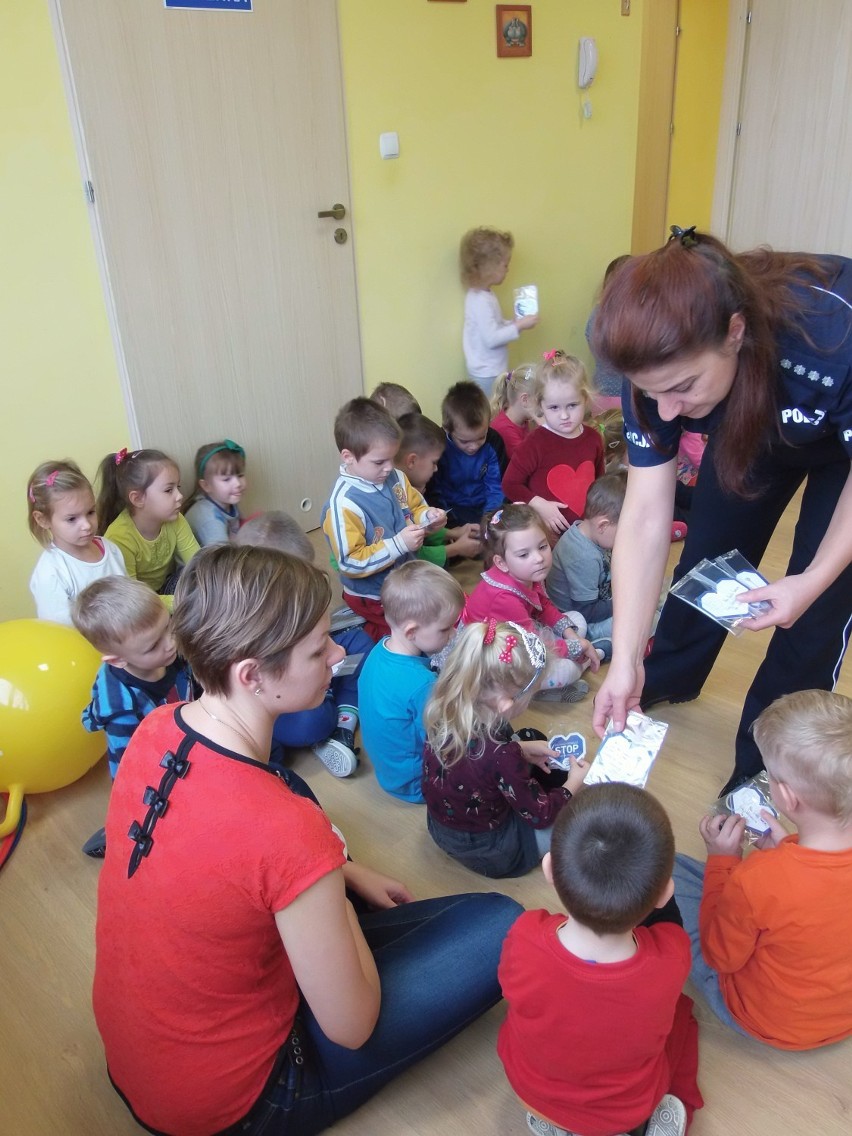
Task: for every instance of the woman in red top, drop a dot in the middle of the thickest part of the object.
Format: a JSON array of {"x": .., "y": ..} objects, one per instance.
[{"x": 236, "y": 990}]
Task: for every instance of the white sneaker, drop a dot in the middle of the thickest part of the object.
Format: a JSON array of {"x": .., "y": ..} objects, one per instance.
[
  {"x": 338, "y": 758},
  {"x": 668, "y": 1118},
  {"x": 544, "y": 1127}
]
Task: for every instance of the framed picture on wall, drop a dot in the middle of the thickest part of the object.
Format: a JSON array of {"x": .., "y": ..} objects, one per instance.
[{"x": 514, "y": 31}]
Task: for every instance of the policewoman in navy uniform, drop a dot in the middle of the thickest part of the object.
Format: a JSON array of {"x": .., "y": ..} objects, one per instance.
[{"x": 754, "y": 350}]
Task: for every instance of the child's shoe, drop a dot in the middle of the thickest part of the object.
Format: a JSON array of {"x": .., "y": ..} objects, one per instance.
[
  {"x": 679, "y": 531},
  {"x": 668, "y": 1118},
  {"x": 574, "y": 692},
  {"x": 603, "y": 648},
  {"x": 95, "y": 846},
  {"x": 544, "y": 1127},
  {"x": 337, "y": 752}
]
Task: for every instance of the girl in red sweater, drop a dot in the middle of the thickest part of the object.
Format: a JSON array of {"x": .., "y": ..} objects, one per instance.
[
  {"x": 518, "y": 559},
  {"x": 513, "y": 405},
  {"x": 553, "y": 469}
]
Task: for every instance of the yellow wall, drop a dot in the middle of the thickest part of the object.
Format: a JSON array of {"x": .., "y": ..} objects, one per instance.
[
  {"x": 61, "y": 396},
  {"x": 482, "y": 141},
  {"x": 698, "y": 103}
]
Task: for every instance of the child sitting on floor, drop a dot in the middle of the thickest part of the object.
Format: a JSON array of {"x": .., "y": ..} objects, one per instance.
[
  {"x": 139, "y": 510},
  {"x": 129, "y": 625},
  {"x": 423, "y": 442},
  {"x": 491, "y": 799},
  {"x": 513, "y": 405},
  {"x": 422, "y": 604},
  {"x": 553, "y": 469},
  {"x": 517, "y": 562},
  {"x": 395, "y": 399},
  {"x": 598, "y": 1032},
  {"x": 581, "y": 576},
  {"x": 329, "y": 729},
  {"x": 374, "y": 518},
  {"x": 63, "y": 519},
  {"x": 770, "y": 934},
  {"x": 467, "y": 482},
  {"x": 214, "y": 509}
]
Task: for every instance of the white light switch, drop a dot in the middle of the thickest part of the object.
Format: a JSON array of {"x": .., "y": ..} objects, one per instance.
[{"x": 389, "y": 144}]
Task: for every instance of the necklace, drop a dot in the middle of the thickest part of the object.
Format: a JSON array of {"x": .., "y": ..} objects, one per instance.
[{"x": 252, "y": 752}]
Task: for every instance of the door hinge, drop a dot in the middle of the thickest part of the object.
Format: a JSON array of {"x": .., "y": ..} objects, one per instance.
[
  {"x": 739, "y": 129},
  {"x": 748, "y": 17},
  {"x": 89, "y": 191}
]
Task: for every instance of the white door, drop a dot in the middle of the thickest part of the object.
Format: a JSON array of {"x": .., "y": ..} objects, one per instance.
[
  {"x": 792, "y": 179},
  {"x": 212, "y": 140}
]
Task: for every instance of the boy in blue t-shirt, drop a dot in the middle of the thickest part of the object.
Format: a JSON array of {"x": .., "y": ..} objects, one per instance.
[
  {"x": 129, "y": 624},
  {"x": 469, "y": 479},
  {"x": 422, "y": 604}
]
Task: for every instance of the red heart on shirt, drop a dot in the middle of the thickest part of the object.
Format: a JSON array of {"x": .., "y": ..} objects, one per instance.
[{"x": 570, "y": 486}]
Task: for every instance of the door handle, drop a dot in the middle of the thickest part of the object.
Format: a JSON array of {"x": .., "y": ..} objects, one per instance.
[{"x": 338, "y": 212}]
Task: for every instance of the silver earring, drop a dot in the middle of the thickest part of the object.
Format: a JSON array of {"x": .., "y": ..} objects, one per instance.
[{"x": 258, "y": 691}]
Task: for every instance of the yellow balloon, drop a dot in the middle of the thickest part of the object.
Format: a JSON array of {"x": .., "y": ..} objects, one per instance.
[{"x": 46, "y": 676}]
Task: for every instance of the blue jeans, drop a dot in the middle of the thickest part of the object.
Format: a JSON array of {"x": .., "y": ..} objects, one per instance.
[
  {"x": 437, "y": 961},
  {"x": 304, "y": 727},
  {"x": 688, "y": 878}
]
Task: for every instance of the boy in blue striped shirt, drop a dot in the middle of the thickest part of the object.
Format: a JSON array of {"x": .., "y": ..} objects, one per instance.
[
  {"x": 128, "y": 623},
  {"x": 374, "y": 518}
]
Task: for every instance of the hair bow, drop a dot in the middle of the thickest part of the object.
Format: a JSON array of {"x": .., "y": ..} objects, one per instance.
[
  {"x": 225, "y": 444},
  {"x": 496, "y": 517},
  {"x": 550, "y": 356},
  {"x": 505, "y": 655},
  {"x": 686, "y": 237},
  {"x": 120, "y": 456}
]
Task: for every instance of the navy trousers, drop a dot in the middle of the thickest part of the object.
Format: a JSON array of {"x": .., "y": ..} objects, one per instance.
[{"x": 806, "y": 656}]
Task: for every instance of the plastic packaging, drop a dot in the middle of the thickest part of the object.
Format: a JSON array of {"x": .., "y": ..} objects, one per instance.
[
  {"x": 746, "y": 801},
  {"x": 628, "y": 756},
  {"x": 526, "y": 301},
  {"x": 713, "y": 587}
]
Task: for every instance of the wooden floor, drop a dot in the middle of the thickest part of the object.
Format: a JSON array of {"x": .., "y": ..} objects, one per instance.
[{"x": 52, "y": 1076}]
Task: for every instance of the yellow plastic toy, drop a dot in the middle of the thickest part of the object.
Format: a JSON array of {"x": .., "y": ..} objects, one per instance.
[{"x": 46, "y": 676}]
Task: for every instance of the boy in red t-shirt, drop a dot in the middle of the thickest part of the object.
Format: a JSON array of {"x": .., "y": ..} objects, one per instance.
[
  {"x": 599, "y": 1036},
  {"x": 771, "y": 932}
]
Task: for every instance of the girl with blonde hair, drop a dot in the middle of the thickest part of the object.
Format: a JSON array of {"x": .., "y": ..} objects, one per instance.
[
  {"x": 553, "y": 469},
  {"x": 513, "y": 405},
  {"x": 491, "y": 798}
]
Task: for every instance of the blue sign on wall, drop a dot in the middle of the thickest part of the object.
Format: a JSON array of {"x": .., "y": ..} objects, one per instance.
[{"x": 213, "y": 5}]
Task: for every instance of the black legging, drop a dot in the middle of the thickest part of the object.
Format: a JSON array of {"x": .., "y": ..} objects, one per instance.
[{"x": 806, "y": 656}]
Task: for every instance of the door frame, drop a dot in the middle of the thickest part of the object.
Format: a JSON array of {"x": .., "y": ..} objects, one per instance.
[
  {"x": 79, "y": 139},
  {"x": 729, "y": 117}
]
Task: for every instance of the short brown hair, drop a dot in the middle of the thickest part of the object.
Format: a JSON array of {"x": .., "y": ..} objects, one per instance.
[
  {"x": 465, "y": 404},
  {"x": 361, "y": 423},
  {"x": 276, "y": 530},
  {"x": 420, "y": 435},
  {"x": 479, "y": 249},
  {"x": 496, "y": 527},
  {"x": 113, "y": 608},
  {"x": 612, "y": 852},
  {"x": 244, "y": 603},
  {"x": 422, "y": 592},
  {"x": 395, "y": 399},
  {"x": 606, "y": 496},
  {"x": 805, "y": 740}
]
